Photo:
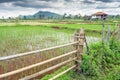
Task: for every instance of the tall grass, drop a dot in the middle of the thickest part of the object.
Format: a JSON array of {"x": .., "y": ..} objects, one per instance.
[
  {"x": 22, "y": 38},
  {"x": 102, "y": 63},
  {"x": 19, "y": 39}
]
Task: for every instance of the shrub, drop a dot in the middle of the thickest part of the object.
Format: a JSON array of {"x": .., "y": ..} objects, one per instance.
[{"x": 103, "y": 61}]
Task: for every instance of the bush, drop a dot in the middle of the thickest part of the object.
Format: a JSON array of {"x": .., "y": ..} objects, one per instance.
[{"x": 103, "y": 61}]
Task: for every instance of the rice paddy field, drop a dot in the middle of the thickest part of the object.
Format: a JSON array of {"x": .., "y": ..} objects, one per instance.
[
  {"x": 66, "y": 24},
  {"x": 22, "y": 37},
  {"x": 19, "y": 38}
]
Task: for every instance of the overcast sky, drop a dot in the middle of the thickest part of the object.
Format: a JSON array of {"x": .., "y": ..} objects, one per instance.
[{"x": 28, "y": 7}]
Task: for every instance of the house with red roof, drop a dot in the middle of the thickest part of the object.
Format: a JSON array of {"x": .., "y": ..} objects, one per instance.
[{"x": 99, "y": 15}]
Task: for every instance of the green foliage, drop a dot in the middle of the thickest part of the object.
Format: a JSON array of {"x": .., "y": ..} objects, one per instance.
[
  {"x": 103, "y": 61},
  {"x": 114, "y": 74},
  {"x": 23, "y": 38},
  {"x": 64, "y": 77}
]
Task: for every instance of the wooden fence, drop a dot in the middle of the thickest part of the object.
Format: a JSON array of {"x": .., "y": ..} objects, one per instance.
[
  {"x": 119, "y": 32},
  {"x": 75, "y": 58}
]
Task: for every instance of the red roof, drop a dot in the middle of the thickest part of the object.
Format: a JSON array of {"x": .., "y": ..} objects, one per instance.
[{"x": 100, "y": 13}]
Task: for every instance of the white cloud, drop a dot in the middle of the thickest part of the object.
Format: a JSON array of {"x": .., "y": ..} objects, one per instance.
[{"x": 88, "y": 7}]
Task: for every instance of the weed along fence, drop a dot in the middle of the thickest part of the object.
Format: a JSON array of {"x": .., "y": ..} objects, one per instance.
[{"x": 35, "y": 64}]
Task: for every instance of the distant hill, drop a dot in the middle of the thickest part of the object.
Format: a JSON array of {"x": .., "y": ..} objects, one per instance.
[
  {"x": 46, "y": 14},
  {"x": 41, "y": 15}
]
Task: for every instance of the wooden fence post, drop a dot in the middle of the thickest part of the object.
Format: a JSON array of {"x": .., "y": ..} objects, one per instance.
[
  {"x": 80, "y": 38},
  {"x": 76, "y": 38},
  {"x": 1, "y": 69},
  {"x": 103, "y": 33},
  {"x": 119, "y": 32},
  {"x": 108, "y": 36},
  {"x": 81, "y": 43}
]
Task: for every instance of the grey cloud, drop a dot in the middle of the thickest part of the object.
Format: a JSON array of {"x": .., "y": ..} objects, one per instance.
[
  {"x": 84, "y": 1},
  {"x": 48, "y": 0},
  {"x": 102, "y": 7},
  {"x": 54, "y": 4},
  {"x": 68, "y": 0},
  {"x": 107, "y": 7},
  {"x": 29, "y": 3},
  {"x": 88, "y": 2},
  {"x": 108, "y": 0},
  {"x": 6, "y": 1}
]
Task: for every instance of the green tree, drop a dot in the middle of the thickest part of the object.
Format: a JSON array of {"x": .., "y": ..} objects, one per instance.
[
  {"x": 76, "y": 17},
  {"x": 24, "y": 17},
  {"x": 42, "y": 16},
  {"x": 64, "y": 16},
  {"x": 69, "y": 16}
]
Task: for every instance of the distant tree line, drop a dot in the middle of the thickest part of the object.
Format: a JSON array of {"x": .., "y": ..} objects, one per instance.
[
  {"x": 70, "y": 16},
  {"x": 64, "y": 16}
]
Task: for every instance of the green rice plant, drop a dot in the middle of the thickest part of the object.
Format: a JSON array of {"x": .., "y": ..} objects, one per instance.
[{"x": 23, "y": 38}]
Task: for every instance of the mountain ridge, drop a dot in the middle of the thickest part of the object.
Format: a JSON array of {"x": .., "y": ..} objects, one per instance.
[{"x": 41, "y": 15}]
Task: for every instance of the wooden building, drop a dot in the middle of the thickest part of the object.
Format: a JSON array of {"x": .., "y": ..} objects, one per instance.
[{"x": 99, "y": 15}]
